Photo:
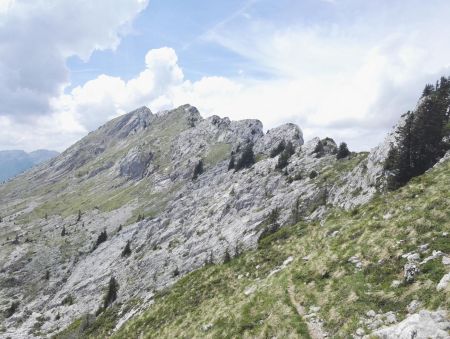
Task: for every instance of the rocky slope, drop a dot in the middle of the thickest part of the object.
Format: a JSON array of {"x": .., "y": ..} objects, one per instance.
[
  {"x": 15, "y": 162},
  {"x": 133, "y": 179}
]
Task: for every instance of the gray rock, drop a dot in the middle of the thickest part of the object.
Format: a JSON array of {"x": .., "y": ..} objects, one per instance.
[
  {"x": 424, "y": 324},
  {"x": 410, "y": 271},
  {"x": 443, "y": 283}
]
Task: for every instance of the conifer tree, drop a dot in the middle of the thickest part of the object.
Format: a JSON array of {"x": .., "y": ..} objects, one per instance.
[
  {"x": 247, "y": 158},
  {"x": 111, "y": 294},
  {"x": 126, "y": 250},
  {"x": 198, "y": 169}
]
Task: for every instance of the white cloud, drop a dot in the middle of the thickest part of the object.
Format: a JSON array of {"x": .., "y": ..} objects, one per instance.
[
  {"x": 347, "y": 80},
  {"x": 36, "y": 38}
]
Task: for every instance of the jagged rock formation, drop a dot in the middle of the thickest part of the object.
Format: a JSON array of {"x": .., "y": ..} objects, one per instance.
[{"x": 133, "y": 177}]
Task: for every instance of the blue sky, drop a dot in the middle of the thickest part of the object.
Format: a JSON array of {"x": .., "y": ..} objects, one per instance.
[{"x": 346, "y": 69}]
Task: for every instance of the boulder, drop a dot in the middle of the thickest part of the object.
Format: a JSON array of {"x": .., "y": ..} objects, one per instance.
[{"x": 424, "y": 324}]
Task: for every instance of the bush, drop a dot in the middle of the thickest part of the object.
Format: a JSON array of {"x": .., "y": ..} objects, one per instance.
[
  {"x": 313, "y": 174},
  {"x": 12, "y": 309},
  {"x": 68, "y": 300}
]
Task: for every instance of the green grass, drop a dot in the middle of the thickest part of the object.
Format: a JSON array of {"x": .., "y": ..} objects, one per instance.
[{"x": 214, "y": 294}]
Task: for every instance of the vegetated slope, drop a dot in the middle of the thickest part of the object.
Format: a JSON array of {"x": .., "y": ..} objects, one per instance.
[
  {"x": 346, "y": 272},
  {"x": 91, "y": 238},
  {"x": 15, "y": 162},
  {"x": 164, "y": 186}
]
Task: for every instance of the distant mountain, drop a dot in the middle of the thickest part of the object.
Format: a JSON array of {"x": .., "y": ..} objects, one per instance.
[{"x": 17, "y": 161}]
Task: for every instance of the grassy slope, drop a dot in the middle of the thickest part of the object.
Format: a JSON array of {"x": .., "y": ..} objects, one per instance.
[{"x": 215, "y": 295}]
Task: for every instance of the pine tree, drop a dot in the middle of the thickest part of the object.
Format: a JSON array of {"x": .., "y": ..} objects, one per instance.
[
  {"x": 226, "y": 256},
  {"x": 126, "y": 250},
  {"x": 63, "y": 231},
  {"x": 231, "y": 164},
  {"x": 111, "y": 294},
  {"x": 283, "y": 160},
  {"x": 319, "y": 149},
  {"x": 198, "y": 169},
  {"x": 421, "y": 140},
  {"x": 247, "y": 158},
  {"x": 102, "y": 237},
  {"x": 343, "y": 151}
]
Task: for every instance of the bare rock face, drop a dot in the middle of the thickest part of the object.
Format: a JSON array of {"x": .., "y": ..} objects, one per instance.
[
  {"x": 425, "y": 324},
  {"x": 273, "y": 137},
  {"x": 135, "y": 163},
  {"x": 133, "y": 178}
]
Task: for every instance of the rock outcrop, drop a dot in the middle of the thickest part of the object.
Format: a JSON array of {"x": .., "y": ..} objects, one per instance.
[{"x": 133, "y": 178}]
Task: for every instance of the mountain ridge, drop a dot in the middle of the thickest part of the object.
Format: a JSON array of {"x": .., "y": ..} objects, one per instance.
[{"x": 162, "y": 185}]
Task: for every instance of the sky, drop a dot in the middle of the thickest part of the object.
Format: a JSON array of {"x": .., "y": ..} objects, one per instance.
[{"x": 345, "y": 69}]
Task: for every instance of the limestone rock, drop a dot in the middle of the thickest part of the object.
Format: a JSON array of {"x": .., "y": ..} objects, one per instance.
[{"x": 425, "y": 324}]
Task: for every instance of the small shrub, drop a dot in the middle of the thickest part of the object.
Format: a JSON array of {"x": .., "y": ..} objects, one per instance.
[
  {"x": 313, "y": 174},
  {"x": 63, "y": 231},
  {"x": 68, "y": 300},
  {"x": 12, "y": 309},
  {"x": 78, "y": 216}
]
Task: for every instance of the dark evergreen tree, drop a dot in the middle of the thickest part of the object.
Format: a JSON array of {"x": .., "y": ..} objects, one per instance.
[
  {"x": 247, "y": 158},
  {"x": 421, "y": 140},
  {"x": 343, "y": 151},
  {"x": 283, "y": 160},
  {"x": 63, "y": 231},
  {"x": 78, "y": 216},
  {"x": 102, "y": 237},
  {"x": 231, "y": 164},
  {"x": 429, "y": 88},
  {"x": 111, "y": 293},
  {"x": 319, "y": 149},
  {"x": 198, "y": 169},
  {"x": 176, "y": 272},
  {"x": 126, "y": 250},
  {"x": 226, "y": 256}
]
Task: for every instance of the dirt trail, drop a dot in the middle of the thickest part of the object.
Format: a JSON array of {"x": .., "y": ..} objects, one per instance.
[{"x": 314, "y": 328}]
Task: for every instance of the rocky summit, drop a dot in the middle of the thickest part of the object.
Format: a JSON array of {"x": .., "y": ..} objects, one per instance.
[{"x": 171, "y": 225}]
